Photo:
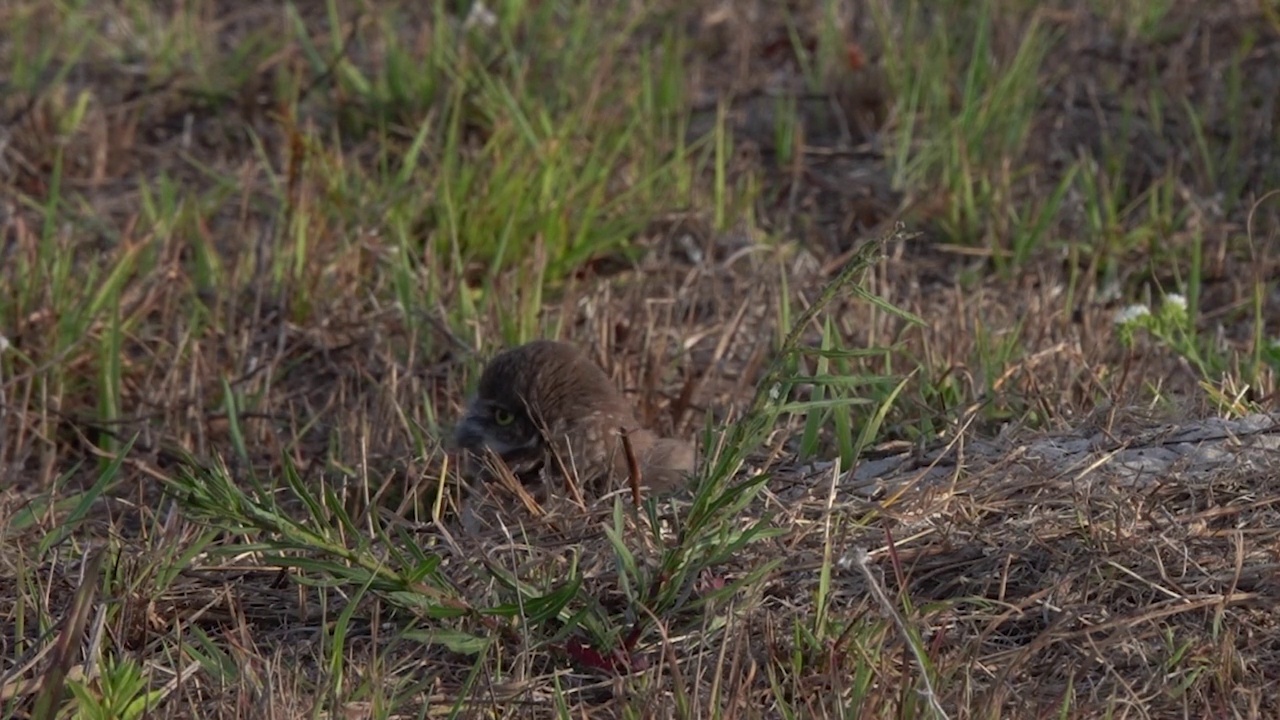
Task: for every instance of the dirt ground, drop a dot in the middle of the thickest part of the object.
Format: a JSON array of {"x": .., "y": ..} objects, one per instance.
[{"x": 252, "y": 258}]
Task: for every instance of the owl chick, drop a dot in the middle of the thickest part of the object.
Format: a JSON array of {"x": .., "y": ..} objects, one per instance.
[{"x": 544, "y": 406}]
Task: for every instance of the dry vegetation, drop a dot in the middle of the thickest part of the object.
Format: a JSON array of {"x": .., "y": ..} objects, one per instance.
[{"x": 253, "y": 254}]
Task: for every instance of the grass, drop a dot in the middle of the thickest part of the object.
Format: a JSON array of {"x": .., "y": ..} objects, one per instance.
[{"x": 252, "y": 258}]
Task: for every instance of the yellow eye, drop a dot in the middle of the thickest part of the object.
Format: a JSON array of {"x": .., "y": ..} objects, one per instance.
[{"x": 503, "y": 417}]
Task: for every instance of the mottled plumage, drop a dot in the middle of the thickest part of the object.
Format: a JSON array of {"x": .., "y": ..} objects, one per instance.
[{"x": 547, "y": 397}]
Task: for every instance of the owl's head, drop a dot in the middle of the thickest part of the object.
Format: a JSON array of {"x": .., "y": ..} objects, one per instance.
[{"x": 524, "y": 391}]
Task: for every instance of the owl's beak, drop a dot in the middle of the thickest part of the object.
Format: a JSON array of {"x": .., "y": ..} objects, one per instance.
[{"x": 469, "y": 435}]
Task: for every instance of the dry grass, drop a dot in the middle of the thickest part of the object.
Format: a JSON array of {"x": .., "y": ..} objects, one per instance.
[{"x": 251, "y": 258}]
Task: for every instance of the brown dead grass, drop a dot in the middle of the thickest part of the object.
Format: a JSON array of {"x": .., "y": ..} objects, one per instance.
[{"x": 1035, "y": 592}]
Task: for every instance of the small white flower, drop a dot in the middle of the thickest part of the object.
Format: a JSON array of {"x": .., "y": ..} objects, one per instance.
[
  {"x": 479, "y": 16},
  {"x": 1176, "y": 299},
  {"x": 1132, "y": 313},
  {"x": 4, "y": 343}
]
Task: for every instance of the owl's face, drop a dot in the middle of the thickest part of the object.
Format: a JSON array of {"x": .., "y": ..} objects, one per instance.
[{"x": 502, "y": 425}]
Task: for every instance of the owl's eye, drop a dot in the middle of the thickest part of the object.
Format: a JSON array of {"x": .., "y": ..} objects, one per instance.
[{"x": 503, "y": 417}]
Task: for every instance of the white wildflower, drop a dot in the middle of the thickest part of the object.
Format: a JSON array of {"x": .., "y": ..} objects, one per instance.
[
  {"x": 1132, "y": 313},
  {"x": 4, "y": 343},
  {"x": 479, "y": 16},
  {"x": 1176, "y": 299}
]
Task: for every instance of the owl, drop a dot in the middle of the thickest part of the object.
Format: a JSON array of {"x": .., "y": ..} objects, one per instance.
[{"x": 547, "y": 410}]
